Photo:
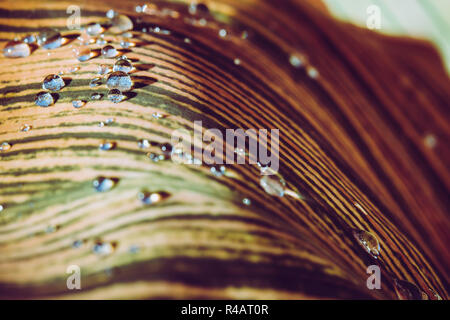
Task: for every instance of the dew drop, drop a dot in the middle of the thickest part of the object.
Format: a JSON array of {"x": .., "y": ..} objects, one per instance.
[
  {"x": 109, "y": 51},
  {"x": 96, "y": 96},
  {"x": 94, "y": 29},
  {"x": 77, "y": 243},
  {"x": 25, "y": 128},
  {"x": 147, "y": 197},
  {"x": 107, "y": 145},
  {"x": 119, "y": 80},
  {"x": 368, "y": 241},
  {"x": 246, "y": 201},
  {"x": 95, "y": 82},
  {"x": 16, "y": 49},
  {"x": 115, "y": 95},
  {"x": 78, "y": 103},
  {"x": 430, "y": 141},
  {"x": 237, "y": 61},
  {"x": 273, "y": 185},
  {"x": 104, "y": 248},
  {"x": 53, "y": 82},
  {"x": 166, "y": 149},
  {"x": 312, "y": 72},
  {"x": 102, "y": 184},
  {"x": 223, "y": 33},
  {"x": 1, "y": 208},
  {"x": 49, "y": 39},
  {"x": 144, "y": 143},
  {"x": 44, "y": 99},
  {"x": 218, "y": 171},
  {"x": 123, "y": 65},
  {"x": 83, "y": 53},
  {"x": 407, "y": 291},
  {"x": 296, "y": 61},
  {"x": 198, "y": 8},
  {"x": 120, "y": 24},
  {"x": 157, "y": 115},
  {"x": 111, "y": 14},
  {"x": 5, "y": 146}
]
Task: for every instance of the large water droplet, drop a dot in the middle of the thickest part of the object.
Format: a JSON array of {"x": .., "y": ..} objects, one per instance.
[
  {"x": 109, "y": 51},
  {"x": 16, "y": 49},
  {"x": 123, "y": 65},
  {"x": 102, "y": 184},
  {"x": 49, "y": 39},
  {"x": 368, "y": 241},
  {"x": 273, "y": 185},
  {"x": 44, "y": 99},
  {"x": 119, "y": 80},
  {"x": 407, "y": 291},
  {"x": 53, "y": 82},
  {"x": 115, "y": 95},
  {"x": 120, "y": 24}
]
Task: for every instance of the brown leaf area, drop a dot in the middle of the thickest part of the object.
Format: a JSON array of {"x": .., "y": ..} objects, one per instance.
[{"x": 363, "y": 123}]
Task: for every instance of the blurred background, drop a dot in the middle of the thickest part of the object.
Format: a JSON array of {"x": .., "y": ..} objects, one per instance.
[{"x": 428, "y": 19}]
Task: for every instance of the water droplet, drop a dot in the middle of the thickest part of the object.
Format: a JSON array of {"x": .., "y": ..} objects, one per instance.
[
  {"x": 103, "y": 69},
  {"x": 44, "y": 99},
  {"x": 368, "y": 241},
  {"x": 246, "y": 201},
  {"x": 157, "y": 115},
  {"x": 120, "y": 24},
  {"x": 218, "y": 171},
  {"x": 312, "y": 72},
  {"x": 273, "y": 185},
  {"x": 107, "y": 145},
  {"x": 1, "y": 208},
  {"x": 16, "y": 49},
  {"x": 78, "y": 103},
  {"x": 119, "y": 80},
  {"x": 49, "y": 39},
  {"x": 104, "y": 248},
  {"x": 77, "y": 243},
  {"x": 111, "y": 14},
  {"x": 166, "y": 149},
  {"x": 187, "y": 40},
  {"x": 83, "y": 53},
  {"x": 144, "y": 143},
  {"x": 115, "y": 95},
  {"x": 237, "y": 61},
  {"x": 296, "y": 61},
  {"x": 244, "y": 35},
  {"x": 25, "y": 128},
  {"x": 198, "y": 9},
  {"x": 102, "y": 184},
  {"x": 95, "y": 82},
  {"x": 126, "y": 44},
  {"x": 147, "y": 197},
  {"x": 127, "y": 35},
  {"x": 223, "y": 33},
  {"x": 53, "y": 82},
  {"x": 123, "y": 65},
  {"x": 430, "y": 141},
  {"x": 96, "y": 96},
  {"x": 109, "y": 120},
  {"x": 94, "y": 29},
  {"x": 5, "y": 146},
  {"x": 407, "y": 291},
  {"x": 109, "y": 51}
]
